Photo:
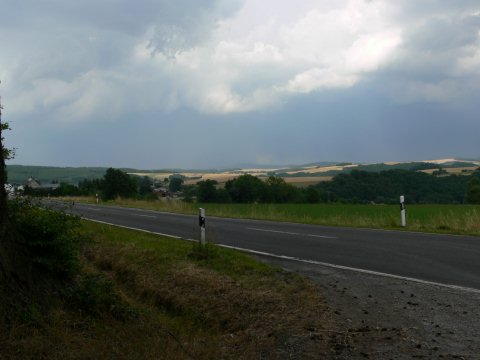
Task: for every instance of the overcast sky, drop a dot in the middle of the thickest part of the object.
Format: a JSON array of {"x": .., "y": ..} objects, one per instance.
[{"x": 194, "y": 84}]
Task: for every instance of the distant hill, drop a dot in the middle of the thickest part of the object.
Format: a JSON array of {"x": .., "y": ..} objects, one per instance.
[
  {"x": 322, "y": 163},
  {"x": 18, "y": 174}
]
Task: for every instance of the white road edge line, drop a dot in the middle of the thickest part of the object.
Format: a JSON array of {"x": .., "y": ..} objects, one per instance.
[
  {"x": 136, "y": 229},
  {"x": 147, "y": 216},
  {"x": 292, "y": 233},
  {"x": 284, "y": 257}
]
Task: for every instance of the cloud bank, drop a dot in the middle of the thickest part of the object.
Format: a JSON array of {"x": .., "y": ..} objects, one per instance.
[
  {"x": 94, "y": 64},
  {"x": 75, "y": 60}
]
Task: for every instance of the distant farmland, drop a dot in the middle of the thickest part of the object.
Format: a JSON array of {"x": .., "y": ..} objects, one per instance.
[{"x": 301, "y": 175}]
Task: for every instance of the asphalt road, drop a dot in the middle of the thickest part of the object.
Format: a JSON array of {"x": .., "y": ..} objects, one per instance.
[{"x": 443, "y": 259}]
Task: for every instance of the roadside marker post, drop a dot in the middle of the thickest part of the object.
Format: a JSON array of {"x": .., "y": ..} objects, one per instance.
[
  {"x": 201, "y": 223},
  {"x": 96, "y": 197},
  {"x": 402, "y": 211}
]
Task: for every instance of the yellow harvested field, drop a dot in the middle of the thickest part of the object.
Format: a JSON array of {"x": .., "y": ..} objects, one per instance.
[
  {"x": 439, "y": 161},
  {"x": 156, "y": 176},
  {"x": 251, "y": 171},
  {"x": 262, "y": 173},
  {"x": 316, "y": 170},
  {"x": 454, "y": 170},
  {"x": 223, "y": 177},
  {"x": 298, "y": 181},
  {"x": 220, "y": 178}
]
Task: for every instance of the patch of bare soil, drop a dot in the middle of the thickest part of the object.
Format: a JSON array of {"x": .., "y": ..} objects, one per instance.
[{"x": 386, "y": 318}]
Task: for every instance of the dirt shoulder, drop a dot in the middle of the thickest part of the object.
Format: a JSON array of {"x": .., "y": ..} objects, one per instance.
[{"x": 386, "y": 318}]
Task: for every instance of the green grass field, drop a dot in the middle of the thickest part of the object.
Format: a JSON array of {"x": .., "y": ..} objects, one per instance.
[{"x": 450, "y": 219}]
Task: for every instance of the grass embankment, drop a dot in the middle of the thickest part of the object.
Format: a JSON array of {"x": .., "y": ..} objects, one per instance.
[
  {"x": 149, "y": 297},
  {"x": 450, "y": 219}
]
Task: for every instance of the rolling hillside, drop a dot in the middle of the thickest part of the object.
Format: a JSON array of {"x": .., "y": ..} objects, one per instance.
[
  {"x": 18, "y": 174},
  {"x": 297, "y": 174}
]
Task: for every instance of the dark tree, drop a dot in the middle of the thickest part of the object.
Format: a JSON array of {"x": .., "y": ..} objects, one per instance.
[
  {"x": 5, "y": 154},
  {"x": 144, "y": 185},
  {"x": 246, "y": 189},
  {"x": 312, "y": 195},
  {"x": 387, "y": 186},
  {"x": 222, "y": 196},
  {"x": 3, "y": 179},
  {"x": 15, "y": 266},
  {"x": 206, "y": 191},
  {"x": 175, "y": 184},
  {"x": 473, "y": 191},
  {"x": 189, "y": 192},
  {"x": 118, "y": 183},
  {"x": 278, "y": 191},
  {"x": 90, "y": 187}
]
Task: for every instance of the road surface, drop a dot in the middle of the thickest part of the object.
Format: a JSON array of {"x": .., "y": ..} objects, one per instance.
[{"x": 444, "y": 259}]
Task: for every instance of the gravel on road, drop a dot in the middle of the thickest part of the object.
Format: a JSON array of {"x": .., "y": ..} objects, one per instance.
[{"x": 388, "y": 318}]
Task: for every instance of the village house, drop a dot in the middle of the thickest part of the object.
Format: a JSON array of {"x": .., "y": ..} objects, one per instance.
[{"x": 34, "y": 184}]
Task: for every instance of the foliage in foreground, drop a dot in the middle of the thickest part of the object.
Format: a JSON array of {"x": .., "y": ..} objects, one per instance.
[
  {"x": 52, "y": 238},
  {"x": 146, "y": 297},
  {"x": 56, "y": 280}
]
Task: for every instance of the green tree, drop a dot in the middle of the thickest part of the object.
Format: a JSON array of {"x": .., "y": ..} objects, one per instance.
[
  {"x": 3, "y": 178},
  {"x": 222, "y": 196},
  {"x": 118, "y": 183},
  {"x": 246, "y": 189},
  {"x": 89, "y": 187},
  {"x": 473, "y": 191},
  {"x": 39, "y": 248},
  {"x": 312, "y": 195},
  {"x": 15, "y": 264},
  {"x": 144, "y": 186},
  {"x": 418, "y": 187},
  {"x": 206, "y": 191},
  {"x": 65, "y": 189},
  {"x": 175, "y": 184},
  {"x": 5, "y": 154},
  {"x": 278, "y": 191},
  {"x": 189, "y": 191}
]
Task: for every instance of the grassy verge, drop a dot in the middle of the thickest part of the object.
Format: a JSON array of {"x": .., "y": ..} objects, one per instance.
[
  {"x": 451, "y": 219},
  {"x": 142, "y": 296}
]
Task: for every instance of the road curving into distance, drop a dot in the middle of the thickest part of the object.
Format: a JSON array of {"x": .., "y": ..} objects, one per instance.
[{"x": 446, "y": 260}]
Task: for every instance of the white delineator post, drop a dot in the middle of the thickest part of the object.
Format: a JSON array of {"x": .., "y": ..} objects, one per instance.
[
  {"x": 96, "y": 197},
  {"x": 201, "y": 223},
  {"x": 402, "y": 211}
]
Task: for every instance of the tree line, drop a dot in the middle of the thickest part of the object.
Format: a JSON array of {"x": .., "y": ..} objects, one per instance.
[
  {"x": 251, "y": 189},
  {"x": 386, "y": 186},
  {"x": 115, "y": 183},
  {"x": 358, "y": 186}
]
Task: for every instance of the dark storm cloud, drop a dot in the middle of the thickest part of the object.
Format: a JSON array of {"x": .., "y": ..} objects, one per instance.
[{"x": 126, "y": 16}]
